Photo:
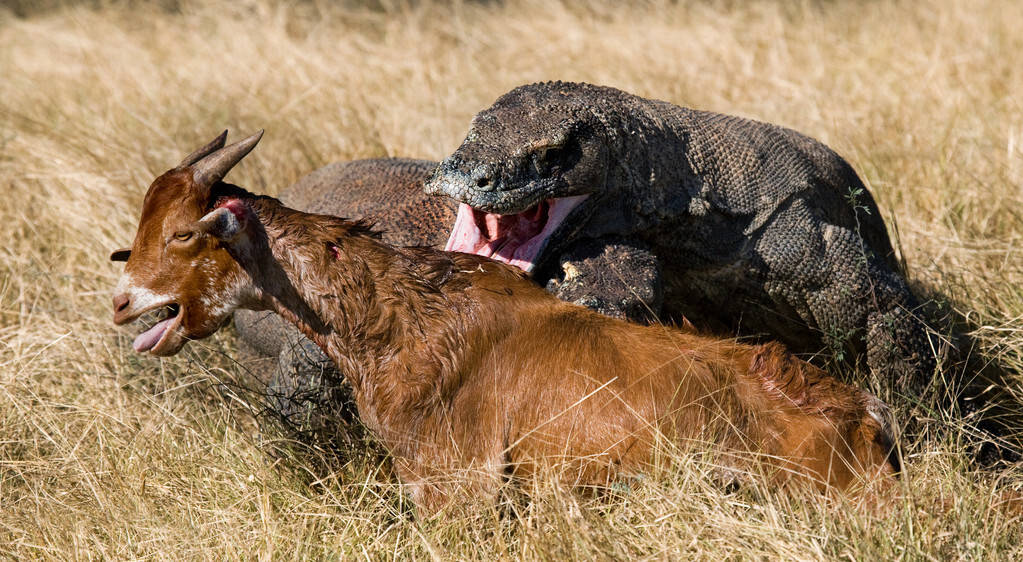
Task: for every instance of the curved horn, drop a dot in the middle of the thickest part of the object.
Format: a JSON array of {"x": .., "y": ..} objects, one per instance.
[
  {"x": 214, "y": 167},
  {"x": 215, "y": 144}
]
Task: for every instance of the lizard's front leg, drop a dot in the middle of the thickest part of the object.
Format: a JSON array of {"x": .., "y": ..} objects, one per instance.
[
  {"x": 304, "y": 389},
  {"x": 615, "y": 277},
  {"x": 310, "y": 395}
]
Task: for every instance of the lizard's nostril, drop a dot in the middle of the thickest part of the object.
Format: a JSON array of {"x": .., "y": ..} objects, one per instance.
[{"x": 483, "y": 182}]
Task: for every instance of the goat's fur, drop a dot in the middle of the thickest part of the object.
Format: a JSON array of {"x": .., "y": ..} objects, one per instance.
[{"x": 461, "y": 364}]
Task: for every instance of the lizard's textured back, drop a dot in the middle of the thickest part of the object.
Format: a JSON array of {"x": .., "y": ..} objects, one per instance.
[
  {"x": 758, "y": 167},
  {"x": 387, "y": 191}
]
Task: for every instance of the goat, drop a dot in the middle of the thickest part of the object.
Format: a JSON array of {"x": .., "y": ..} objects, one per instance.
[{"x": 460, "y": 363}]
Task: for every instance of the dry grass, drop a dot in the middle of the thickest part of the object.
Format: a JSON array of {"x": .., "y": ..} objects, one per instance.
[{"x": 104, "y": 453}]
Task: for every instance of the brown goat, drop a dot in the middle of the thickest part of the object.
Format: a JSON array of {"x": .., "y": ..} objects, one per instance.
[{"x": 459, "y": 363}]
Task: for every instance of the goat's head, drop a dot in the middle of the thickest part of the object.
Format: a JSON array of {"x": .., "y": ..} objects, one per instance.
[{"x": 179, "y": 263}]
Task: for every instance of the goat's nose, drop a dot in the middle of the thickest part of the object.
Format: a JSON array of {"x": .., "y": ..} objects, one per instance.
[{"x": 121, "y": 303}]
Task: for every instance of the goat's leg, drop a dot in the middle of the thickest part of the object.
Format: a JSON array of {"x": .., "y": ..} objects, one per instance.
[
  {"x": 435, "y": 488},
  {"x": 428, "y": 489}
]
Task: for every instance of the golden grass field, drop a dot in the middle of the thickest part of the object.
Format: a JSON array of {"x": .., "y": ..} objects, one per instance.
[{"x": 108, "y": 454}]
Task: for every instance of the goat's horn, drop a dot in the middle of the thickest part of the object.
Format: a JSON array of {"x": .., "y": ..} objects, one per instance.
[
  {"x": 214, "y": 167},
  {"x": 212, "y": 146}
]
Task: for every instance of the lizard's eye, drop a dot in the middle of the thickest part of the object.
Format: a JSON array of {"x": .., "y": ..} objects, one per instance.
[{"x": 547, "y": 160}]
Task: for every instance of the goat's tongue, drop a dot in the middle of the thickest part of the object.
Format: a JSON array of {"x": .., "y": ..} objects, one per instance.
[{"x": 146, "y": 340}]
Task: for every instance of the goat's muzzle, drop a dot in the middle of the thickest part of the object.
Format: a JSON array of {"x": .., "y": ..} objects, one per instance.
[{"x": 121, "y": 303}]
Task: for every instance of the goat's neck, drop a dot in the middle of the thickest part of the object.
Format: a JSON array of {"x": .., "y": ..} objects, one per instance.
[{"x": 359, "y": 300}]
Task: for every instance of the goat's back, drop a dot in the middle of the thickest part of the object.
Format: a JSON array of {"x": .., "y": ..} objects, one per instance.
[{"x": 584, "y": 386}]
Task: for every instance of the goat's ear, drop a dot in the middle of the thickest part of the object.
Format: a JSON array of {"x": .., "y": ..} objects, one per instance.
[
  {"x": 120, "y": 254},
  {"x": 211, "y": 147},
  {"x": 212, "y": 168},
  {"x": 222, "y": 224}
]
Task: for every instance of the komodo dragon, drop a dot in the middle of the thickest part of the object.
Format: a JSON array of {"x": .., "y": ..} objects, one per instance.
[
  {"x": 641, "y": 208},
  {"x": 753, "y": 226}
]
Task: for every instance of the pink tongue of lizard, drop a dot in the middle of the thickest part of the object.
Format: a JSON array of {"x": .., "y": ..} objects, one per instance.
[
  {"x": 146, "y": 340},
  {"x": 517, "y": 228}
]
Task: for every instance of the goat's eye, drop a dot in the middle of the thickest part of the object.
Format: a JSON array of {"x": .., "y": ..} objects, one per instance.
[{"x": 183, "y": 235}]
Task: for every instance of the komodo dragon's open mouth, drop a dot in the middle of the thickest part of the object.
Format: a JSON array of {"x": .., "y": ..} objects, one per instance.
[{"x": 516, "y": 239}]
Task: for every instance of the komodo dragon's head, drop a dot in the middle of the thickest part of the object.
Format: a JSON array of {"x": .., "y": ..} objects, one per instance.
[{"x": 528, "y": 175}]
